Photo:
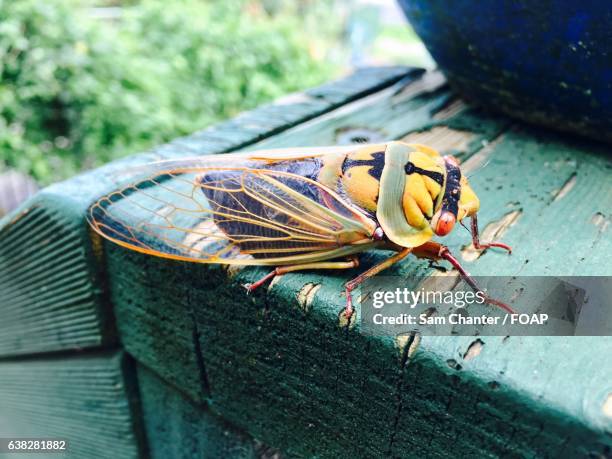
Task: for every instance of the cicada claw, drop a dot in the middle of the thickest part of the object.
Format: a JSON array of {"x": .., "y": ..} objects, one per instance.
[
  {"x": 476, "y": 239},
  {"x": 255, "y": 285}
]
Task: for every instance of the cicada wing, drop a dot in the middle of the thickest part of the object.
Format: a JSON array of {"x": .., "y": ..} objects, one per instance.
[{"x": 231, "y": 212}]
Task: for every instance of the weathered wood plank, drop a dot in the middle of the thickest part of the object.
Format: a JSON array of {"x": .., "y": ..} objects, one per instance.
[
  {"x": 279, "y": 365},
  {"x": 51, "y": 289},
  {"x": 177, "y": 427},
  {"x": 85, "y": 399}
]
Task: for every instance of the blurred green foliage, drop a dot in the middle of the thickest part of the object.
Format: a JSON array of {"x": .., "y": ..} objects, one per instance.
[{"x": 76, "y": 92}]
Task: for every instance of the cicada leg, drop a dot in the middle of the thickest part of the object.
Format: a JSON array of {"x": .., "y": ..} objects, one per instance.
[
  {"x": 353, "y": 262},
  {"x": 434, "y": 251},
  {"x": 476, "y": 238},
  {"x": 373, "y": 271}
]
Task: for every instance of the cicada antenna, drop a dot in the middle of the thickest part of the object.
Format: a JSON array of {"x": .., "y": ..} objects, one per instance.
[{"x": 465, "y": 227}]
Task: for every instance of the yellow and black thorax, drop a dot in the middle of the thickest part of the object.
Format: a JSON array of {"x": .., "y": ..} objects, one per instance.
[{"x": 401, "y": 185}]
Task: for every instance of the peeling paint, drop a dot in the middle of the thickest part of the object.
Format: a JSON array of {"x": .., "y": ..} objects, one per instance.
[
  {"x": 600, "y": 221},
  {"x": 401, "y": 341},
  {"x": 565, "y": 189},
  {"x": 414, "y": 346},
  {"x": 607, "y": 406},
  {"x": 306, "y": 295},
  {"x": 343, "y": 322},
  {"x": 473, "y": 350},
  {"x": 440, "y": 282}
]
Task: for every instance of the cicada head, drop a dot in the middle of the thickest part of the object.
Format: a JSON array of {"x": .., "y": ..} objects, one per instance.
[
  {"x": 433, "y": 193},
  {"x": 456, "y": 201}
]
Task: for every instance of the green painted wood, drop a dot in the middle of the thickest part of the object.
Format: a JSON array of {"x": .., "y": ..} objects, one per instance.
[
  {"x": 50, "y": 288},
  {"x": 155, "y": 327},
  {"x": 52, "y": 291},
  {"x": 177, "y": 427},
  {"x": 85, "y": 399},
  {"x": 279, "y": 365}
]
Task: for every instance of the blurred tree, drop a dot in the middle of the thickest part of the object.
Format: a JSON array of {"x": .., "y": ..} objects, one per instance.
[{"x": 75, "y": 92}]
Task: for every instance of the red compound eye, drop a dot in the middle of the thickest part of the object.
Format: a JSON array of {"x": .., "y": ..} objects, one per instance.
[{"x": 445, "y": 223}]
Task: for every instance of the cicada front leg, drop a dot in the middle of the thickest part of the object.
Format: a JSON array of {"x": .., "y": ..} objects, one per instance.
[
  {"x": 434, "y": 251},
  {"x": 476, "y": 238},
  {"x": 352, "y": 262}
]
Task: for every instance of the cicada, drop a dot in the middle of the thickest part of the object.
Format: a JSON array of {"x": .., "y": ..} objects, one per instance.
[{"x": 296, "y": 209}]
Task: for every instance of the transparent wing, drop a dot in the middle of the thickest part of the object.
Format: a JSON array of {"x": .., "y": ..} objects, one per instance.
[{"x": 241, "y": 211}]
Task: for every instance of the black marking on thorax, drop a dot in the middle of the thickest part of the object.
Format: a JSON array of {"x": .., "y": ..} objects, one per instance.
[{"x": 377, "y": 163}]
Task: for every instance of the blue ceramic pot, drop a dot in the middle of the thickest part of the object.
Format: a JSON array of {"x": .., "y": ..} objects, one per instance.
[{"x": 547, "y": 62}]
